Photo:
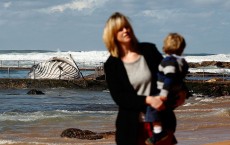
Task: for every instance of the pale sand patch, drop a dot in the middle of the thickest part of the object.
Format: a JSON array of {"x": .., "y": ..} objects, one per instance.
[{"x": 227, "y": 142}]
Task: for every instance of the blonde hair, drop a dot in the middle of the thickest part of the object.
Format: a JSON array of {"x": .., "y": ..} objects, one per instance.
[
  {"x": 116, "y": 22},
  {"x": 174, "y": 43}
]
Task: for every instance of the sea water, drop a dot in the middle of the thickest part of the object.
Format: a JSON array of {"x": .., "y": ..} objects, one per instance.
[
  {"x": 40, "y": 119},
  {"x": 89, "y": 59}
]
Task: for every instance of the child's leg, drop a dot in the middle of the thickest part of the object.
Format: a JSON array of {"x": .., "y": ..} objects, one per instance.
[
  {"x": 158, "y": 133},
  {"x": 157, "y": 127},
  {"x": 149, "y": 114}
]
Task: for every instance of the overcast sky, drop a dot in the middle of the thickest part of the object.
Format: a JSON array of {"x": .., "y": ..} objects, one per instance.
[{"x": 77, "y": 25}]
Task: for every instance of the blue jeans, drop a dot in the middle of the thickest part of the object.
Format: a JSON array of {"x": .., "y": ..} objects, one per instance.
[{"x": 152, "y": 115}]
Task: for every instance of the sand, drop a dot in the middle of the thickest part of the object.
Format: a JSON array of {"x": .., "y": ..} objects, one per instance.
[{"x": 227, "y": 142}]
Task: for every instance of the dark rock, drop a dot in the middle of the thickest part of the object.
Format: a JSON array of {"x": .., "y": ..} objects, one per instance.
[
  {"x": 85, "y": 134},
  {"x": 211, "y": 89},
  {"x": 35, "y": 92},
  {"x": 102, "y": 77},
  {"x": 210, "y": 63}
]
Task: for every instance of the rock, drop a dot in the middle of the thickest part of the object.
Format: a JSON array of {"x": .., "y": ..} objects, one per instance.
[
  {"x": 35, "y": 92},
  {"x": 212, "y": 88},
  {"x": 214, "y": 80},
  {"x": 102, "y": 77},
  {"x": 210, "y": 63},
  {"x": 85, "y": 134}
]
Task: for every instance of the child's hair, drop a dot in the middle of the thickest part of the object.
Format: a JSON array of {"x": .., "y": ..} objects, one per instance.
[{"x": 174, "y": 43}]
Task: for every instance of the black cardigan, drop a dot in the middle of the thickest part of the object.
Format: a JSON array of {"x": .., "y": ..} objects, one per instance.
[{"x": 130, "y": 104}]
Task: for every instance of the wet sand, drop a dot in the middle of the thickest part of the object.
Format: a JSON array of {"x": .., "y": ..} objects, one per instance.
[
  {"x": 220, "y": 143},
  {"x": 201, "y": 121}
]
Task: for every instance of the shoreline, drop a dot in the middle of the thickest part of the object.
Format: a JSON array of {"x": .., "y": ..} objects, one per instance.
[
  {"x": 190, "y": 129},
  {"x": 9, "y": 83},
  {"x": 214, "y": 88}
]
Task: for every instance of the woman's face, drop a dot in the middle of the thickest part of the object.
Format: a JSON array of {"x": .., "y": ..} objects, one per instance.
[{"x": 123, "y": 35}]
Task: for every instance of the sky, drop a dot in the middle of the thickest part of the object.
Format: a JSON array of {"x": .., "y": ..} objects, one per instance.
[{"x": 77, "y": 25}]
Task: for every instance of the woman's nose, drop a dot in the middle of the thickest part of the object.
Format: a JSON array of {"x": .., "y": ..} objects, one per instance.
[{"x": 125, "y": 29}]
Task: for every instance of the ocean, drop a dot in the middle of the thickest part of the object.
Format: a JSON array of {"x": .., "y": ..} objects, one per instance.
[
  {"x": 87, "y": 59},
  {"x": 40, "y": 119}
]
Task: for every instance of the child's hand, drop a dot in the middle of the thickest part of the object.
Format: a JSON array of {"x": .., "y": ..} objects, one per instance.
[
  {"x": 163, "y": 98},
  {"x": 156, "y": 102}
]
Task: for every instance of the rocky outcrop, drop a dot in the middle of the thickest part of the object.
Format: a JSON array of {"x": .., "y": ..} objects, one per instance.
[
  {"x": 210, "y": 63},
  {"x": 35, "y": 92},
  {"x": 45, "y": 83},
  {"x": 85, "y": 134},
  {"x": 212, "y": 87},
  {"x": 209, "y": 88}
]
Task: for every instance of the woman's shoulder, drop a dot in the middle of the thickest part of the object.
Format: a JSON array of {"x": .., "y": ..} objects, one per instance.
[
  {"x": 149, "y": 49},
  {"x": 147, "y": 45},
  {"x": 112, "y": 60}
]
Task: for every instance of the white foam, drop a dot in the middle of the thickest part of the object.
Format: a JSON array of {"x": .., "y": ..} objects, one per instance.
[
  {"x": 217, "y": 57},
  {"x": 195, "y": 110},
  {"x": 97, "y": 58},
  {"x": 188, "y": 104},
  {"x": 84, "y": 56},
  {"x": 33, "y": 116},
  {"x": 207, "y": 100},
  {"x": 7, "y": 142}
]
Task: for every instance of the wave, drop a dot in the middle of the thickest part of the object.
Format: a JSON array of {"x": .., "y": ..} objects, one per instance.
[
  {"x": 4, "y": 142},
  {"x": 48, "y": 115},
  {"x": 91, "y": 59},
  {"x": 85, "y": 58},
  {"x": 196, "y": 110},
  {"x": 93, "y": 55},
  {"x": 222, "y": 113},
  {"x": 216, "y": 57},
  {"x": 52, "y": 106}
]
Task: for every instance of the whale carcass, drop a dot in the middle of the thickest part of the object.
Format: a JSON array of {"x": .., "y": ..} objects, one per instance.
[{"x": 63, "y": 68}]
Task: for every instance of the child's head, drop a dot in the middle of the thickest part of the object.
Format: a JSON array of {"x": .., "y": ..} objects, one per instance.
[{"x": 174, "y": 43}]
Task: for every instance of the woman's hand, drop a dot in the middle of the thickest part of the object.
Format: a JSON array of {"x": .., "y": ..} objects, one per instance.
[{"x": 156, "y": 102}]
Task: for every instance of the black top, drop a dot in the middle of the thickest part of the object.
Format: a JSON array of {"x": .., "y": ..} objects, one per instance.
[{"x": 130, "y": 104}]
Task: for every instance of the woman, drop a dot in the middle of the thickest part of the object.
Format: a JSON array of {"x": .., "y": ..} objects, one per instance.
[{"x": 131, "y": 73}]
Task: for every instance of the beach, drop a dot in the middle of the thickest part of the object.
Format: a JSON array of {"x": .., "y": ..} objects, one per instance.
[
  {"x": 220, "y": 143},
  {"x": 207, "y": 121},
  {"x": 40, "y": 119},
  {"x": 27, "y": 119}
]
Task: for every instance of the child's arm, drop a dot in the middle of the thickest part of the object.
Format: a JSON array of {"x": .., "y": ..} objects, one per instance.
[{"x": 167, "y": 77}]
